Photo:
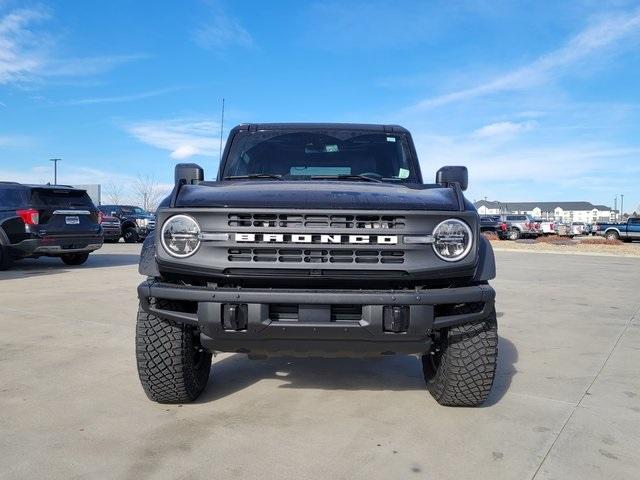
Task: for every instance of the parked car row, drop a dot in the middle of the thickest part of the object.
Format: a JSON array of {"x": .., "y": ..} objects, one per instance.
[
  {"x": 62, "y": 221},
  {"x": 513, "y": 227}
]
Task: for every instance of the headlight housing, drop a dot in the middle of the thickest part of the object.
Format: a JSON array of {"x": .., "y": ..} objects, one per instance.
[
  {"x": 142, "y": 222},
  {"x": 180, "y": 236},
  {"x": 452, "y": 240}
]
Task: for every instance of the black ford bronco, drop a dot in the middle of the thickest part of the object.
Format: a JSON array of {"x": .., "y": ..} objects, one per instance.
[{"x": 317, "y": 240}]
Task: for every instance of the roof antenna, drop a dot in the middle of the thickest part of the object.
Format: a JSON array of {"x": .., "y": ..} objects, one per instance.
[{"x": 221, "y": 129}]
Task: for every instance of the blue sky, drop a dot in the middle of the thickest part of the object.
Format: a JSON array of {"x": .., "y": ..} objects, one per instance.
[{"x": 539, "y": 99}]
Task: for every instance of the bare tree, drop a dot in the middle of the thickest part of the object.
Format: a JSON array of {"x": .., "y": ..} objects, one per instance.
[
  {"x": 147, "y": 192},
  {"x": 114, "y": 192}
]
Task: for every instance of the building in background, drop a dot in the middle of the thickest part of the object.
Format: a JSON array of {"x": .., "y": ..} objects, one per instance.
[
  {"x": 562, "y": 211},
  {"x": 93, "y": 190}
]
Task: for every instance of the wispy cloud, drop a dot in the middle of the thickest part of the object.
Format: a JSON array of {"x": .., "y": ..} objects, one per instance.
[
  {"x": 122, "y": 98},
  {"x": 74, "y": 174},
  {"x": 20, "y": 54},
  {"x": 503, "y": 129},
  {"x": 184, "y": 138},
  {"x": 221, "y": 32},
  {"x": 594, "y": 39},
  {"x": 28, "y": 51},
  {"x": 15, "y": 140}
]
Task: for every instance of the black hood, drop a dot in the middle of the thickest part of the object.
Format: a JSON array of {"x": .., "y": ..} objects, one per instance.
[{"x": 317, "y": 194}]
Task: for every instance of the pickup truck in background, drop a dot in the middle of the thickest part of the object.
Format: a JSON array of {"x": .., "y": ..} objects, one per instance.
[
  {"x": 520, "y": 226},
  {"x": 620, "y": 231},
  {"x": 547, "y": 227}
]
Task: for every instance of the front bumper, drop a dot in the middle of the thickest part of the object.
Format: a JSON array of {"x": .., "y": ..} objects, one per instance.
[
  {"x": 428, "y": 310},
  {"x": 111, "y": 232},
  {"x": 58, "y": 245}
]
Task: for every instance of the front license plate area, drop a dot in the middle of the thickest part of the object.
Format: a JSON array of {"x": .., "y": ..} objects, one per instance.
[{"x": 72, "y": 220}]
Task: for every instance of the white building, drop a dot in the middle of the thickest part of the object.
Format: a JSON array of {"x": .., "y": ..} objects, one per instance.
[{"x": 564, "y": 211}]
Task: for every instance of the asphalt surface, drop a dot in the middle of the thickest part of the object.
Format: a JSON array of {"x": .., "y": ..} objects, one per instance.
[{"x": 566, "y": 402}]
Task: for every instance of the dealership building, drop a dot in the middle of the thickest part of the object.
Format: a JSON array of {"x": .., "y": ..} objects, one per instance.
[{"x": 564, "y": 211}]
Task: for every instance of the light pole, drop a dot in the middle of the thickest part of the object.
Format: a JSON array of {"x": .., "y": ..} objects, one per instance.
[
  {"x": 55, "y": 169},
  {"x": 622, "y": 206}
]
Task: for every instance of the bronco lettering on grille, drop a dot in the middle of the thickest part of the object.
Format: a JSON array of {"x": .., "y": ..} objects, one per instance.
[{"x": 313, "y": 238}]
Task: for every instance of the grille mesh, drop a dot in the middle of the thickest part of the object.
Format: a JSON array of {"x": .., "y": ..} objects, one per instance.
[
  {"x": 315, "y": 255},
  {"x": 286, "y": 220}
]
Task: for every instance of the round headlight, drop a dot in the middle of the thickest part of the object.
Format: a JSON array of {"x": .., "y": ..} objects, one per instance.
[
  {"x": 452, "y": 240},
  {"x": 180, "y": 236}
]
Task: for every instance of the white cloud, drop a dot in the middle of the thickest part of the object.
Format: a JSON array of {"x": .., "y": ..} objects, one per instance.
[
  {"x": 72, "y": 174},
  {"x": 122, "y": 98},
  {"x": 184, "y": 138},
  {"x": 27, "y": 52},
  {"x": 15, "y": 140},
  {"x": 221, "y": 32},
  {"x": 503, "y": 129},
  {"x": 592, "y": 40}
]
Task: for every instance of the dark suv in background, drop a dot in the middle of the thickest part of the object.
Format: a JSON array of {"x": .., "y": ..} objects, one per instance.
[
  {"x": 47, "y": 220},
  {"x": 136, "y": 222}
]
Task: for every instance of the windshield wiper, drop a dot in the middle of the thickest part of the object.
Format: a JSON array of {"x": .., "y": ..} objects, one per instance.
[
  {"x": 253, "y": 175},
  {"x": 345, "y": 177}
]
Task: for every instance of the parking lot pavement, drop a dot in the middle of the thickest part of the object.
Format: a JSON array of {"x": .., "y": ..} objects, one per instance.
[{"x": 566, "y": 403}]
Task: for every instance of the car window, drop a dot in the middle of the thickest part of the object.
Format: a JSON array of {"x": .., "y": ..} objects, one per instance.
[
  {"x": 12, "y": 198},
  {"x": 60, "y": 198},
  {"x": 635, "y": 221},
  {"x": 134, "y": 211},
  {"x": 301, "y": 155}
]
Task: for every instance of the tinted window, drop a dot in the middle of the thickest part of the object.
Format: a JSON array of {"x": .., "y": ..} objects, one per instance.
[
  {"x": 301, "y": 155},
  {"x": 61, "y": 198},
  {"x": 133, "y": 211},
  {"x": 12, "y": 198},
  {"x": 635, "y": 221}
]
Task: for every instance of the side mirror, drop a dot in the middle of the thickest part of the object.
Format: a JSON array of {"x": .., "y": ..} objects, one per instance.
[
  {"x": 189, "y": 173},
  {"x": 459, "y": 175}
]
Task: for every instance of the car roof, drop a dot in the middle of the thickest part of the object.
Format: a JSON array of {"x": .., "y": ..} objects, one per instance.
[
  {"x": 371, "y": 127},
  {"x": 46, "y": 186}
]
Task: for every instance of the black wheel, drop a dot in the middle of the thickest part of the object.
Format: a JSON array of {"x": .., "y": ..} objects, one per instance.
[
  {"x": 172, "y": 366},
  {"x": 513, "y": 234},
  {"x": 460, "y": 369},
  {"x": 130, "y": 235},
  {"x": 74, "y": 258},
  {"x": 5, "y": 259},
  {"x": 612, "y": 235}
]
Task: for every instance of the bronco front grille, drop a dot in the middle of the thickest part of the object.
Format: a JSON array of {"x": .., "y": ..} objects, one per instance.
[
  {"x": 298, "y": 220},
  {"x": 315, "y": 255}
]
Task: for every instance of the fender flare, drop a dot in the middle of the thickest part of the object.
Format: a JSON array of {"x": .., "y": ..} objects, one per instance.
[
  {"x": 486, "y": 269},
  {"x": 147, "y": 265}
]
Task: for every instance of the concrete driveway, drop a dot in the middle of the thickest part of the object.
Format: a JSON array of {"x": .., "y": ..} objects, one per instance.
[{"x": 566, "y": 403}]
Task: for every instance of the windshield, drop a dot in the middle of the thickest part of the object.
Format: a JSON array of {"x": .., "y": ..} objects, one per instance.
[
  {"x": 134, "y": 211},
  {"x": 61, "y": 198},
  {"x": 320, "y": 154}
]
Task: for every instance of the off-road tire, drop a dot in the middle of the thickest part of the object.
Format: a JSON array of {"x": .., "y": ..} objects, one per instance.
[
  {"x": 130, "y": 235},
  {"x": 172, "y": 366},
  {"x": 460, "y": 370},
  {"x": 612, "y": 235},
  {"x": 513, "y": 234},
  {"x": 74, "y": 258}
]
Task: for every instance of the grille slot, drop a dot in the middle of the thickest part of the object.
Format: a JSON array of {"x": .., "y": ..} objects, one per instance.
[
  {"x": 315, "y": 255},
  {"x": 312, "y": 221},
  {"x": 282, "y": 312}
]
